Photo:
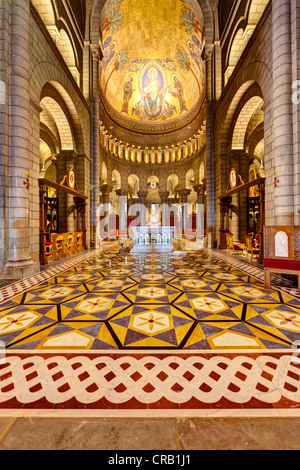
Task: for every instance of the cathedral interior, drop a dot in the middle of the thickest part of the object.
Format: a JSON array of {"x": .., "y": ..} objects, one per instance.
[{"x": 149, "y": 225}]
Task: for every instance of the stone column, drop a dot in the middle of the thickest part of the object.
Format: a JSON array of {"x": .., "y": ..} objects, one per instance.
[
  {"x": 70, "y": 205},
  {"x": 295, "y": 16},
  {"x": 4, "y": 127},
  {"x": 165, "y": 210},
  {"x": 123, "y": 208},
  {"x": 143, "y": 209},
  {"x": 95, "y": 142},
  {"x": 19, "y": 264},
  {"x": 105, "y": 210},
  {"x": 184, "y": 201},
  {"x": 210, "y": 190},
  {"x": 200, "y": 209},
  {"x": 282, "y": 112}
]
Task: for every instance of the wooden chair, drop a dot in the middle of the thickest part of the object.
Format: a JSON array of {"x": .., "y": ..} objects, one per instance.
[{"x": 233, "y": 248}]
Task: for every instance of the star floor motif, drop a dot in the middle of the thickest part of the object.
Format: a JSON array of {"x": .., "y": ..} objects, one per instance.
[
  {"x": 147, "y": 301},
  {"x": 80, "y": 339}
]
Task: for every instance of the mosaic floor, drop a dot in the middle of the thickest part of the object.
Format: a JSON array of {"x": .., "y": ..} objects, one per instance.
[
  {"x": 126, "y": 302},
  {"x": 149, "y": 332}
]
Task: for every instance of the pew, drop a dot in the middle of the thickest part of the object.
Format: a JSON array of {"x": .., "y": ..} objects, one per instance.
[{"x": 64, "y": 245}]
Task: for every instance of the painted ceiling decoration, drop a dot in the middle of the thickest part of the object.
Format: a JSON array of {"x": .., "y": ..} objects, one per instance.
[{"x": 152, "y": 71}]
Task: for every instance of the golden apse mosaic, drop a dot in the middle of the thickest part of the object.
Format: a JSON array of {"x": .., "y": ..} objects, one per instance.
[{"x": 146, "y": 74}]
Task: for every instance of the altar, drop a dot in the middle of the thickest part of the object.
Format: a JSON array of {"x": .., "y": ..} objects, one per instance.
[{"x": 152, "y": 239}]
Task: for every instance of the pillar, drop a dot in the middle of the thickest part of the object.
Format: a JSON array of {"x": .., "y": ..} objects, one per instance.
[
  {"x": 210, "y": 201},
  {"x": 200, "y": 209},
  {"x": 70, "y": 205},
  {"x": 165, "y": 210},
  {"x": 19, "y": 262},
  {"x": 4, "y": 127},
  {"x": 282, "y": 112},
  {"x": 184, "y": 202},
  {"x": 104, "y": 225},
  {"x": 123, "y": 208},
  {"x": 95, "y": 143},
  {"x": 142, "y": 208}
]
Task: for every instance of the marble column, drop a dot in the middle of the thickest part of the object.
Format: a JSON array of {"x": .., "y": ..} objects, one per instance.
[
  {"x": 282, "y": 112},
  {"x": 19, "y": 263}
]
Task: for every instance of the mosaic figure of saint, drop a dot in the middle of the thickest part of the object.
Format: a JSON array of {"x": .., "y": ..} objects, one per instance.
[
  {"x": 177, "y": 91},
  {"x": 128, "y": 92}
]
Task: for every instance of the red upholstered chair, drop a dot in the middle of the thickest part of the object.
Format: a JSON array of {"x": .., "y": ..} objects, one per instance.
[{"x": 233, "y": 247}]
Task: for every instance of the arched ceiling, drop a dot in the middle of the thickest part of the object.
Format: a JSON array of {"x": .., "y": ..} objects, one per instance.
[{"x": 152, "y": 75}]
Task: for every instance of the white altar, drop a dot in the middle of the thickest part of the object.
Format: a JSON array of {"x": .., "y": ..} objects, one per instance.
[{"x": 152, "y": 239}]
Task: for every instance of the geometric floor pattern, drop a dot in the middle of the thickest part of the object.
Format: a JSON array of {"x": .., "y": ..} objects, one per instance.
[
  {"x": 150, "y": 333},
  {"x": 113, "y": 302}
]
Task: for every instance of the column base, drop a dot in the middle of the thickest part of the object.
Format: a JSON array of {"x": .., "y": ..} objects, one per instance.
[
  {"x": 210, "y": 240},
  {"x": 20, "y": 269}
]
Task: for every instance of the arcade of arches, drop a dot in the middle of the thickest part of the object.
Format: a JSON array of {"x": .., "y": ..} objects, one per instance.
[{"x": 111, "y": 110}]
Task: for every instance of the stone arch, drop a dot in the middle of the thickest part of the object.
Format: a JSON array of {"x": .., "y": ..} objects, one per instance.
[
  {"x": 54, "y": 117},
  {"x": 46, "y": 11},
  {"x": 236, "y": 49},
  {"x": 49, "y": 138},
  {"x": 116, "y": 179},
  {"x": 249, "y": 109},
  {"x": 190, "y": 179},
  {"x": 133, "y": 186},
  {"x": 255, "y": 73},
  {"x": 103, "y": 174},
  {"x": 153, "y": 196},
  {"x": 172, "y": 185},
  {"x": 67, "y": 49},
  {"x": 46, "y": 75},
  {"x": 256, "y": 9},
  {"x": 201, "y": 172}
]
